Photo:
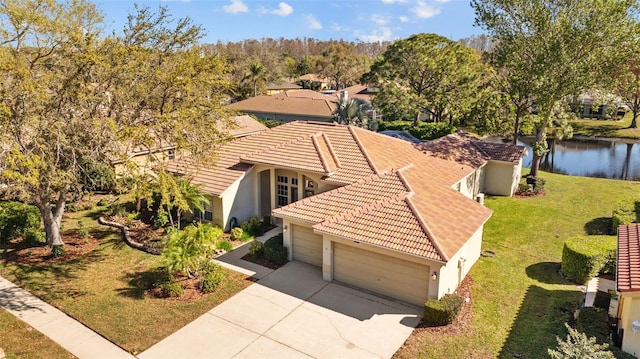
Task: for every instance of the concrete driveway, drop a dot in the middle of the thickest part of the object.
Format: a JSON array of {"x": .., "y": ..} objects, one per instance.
[{"x": 293, "y": 313}]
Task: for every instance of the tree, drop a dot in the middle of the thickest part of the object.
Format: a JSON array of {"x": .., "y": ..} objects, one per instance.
[
  {"x": 342, "y": 64},
  {"x": 425, "y": 74},
  {"x": 69, "y": 96},
  {"x": 628, "y": 87},
  {"x": 353, "y": 112},
  {"x": 256, "y": 74},
  {"x": 556, "y": 48},
  {"x": 187, "y": 251},
  {"x": 578, "y": 346}
]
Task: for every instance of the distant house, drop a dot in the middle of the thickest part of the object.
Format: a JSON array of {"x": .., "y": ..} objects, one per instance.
[
  {"x": 359, "y": 92},
  {"x": 314, "y": 82},
  {"x": 273, "y": 88},
  {"x": 628, "y": 288},
  {"x": 298, "y": 105},
  {"x": 366, "y": 209},
  {"x": 498, "y": 166}
]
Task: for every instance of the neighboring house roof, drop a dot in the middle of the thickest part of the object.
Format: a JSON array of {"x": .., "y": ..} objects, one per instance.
[
  {"x": 243, "y": 125},
  {"x": 360, "y": 92},
  {"x": 628, "y": 272},
  {"x": 471, "y": 151},
  {"x": 314, "y": 78},
  {"x": 284, "y": 86},
  {"x": 401, "y": 135},
  {"x": 299, "y": 102}
]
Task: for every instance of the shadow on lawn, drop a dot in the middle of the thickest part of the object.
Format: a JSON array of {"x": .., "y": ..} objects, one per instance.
[
  {"x": 599, "y": 226},
  {"x": 139, "y": 282},
  {"x": 545, "y": 272},
  {"x": 540, "y": 320}
]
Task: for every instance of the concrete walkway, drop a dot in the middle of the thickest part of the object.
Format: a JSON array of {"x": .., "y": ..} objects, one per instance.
[
  {"x": 64, "y": 330},
  {"x": 597, "y": 285},
  {"x": 232, "y": 260}
]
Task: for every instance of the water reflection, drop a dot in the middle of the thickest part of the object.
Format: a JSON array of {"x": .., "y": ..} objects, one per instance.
[{"x": 589, "y": 158}]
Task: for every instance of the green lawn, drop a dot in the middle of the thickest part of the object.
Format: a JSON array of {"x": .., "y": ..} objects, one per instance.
[
  {"x": 101, "y": 289},
  {"x": 605, "y": 128},
  {"x": 519, "y": 302},
  {"x": 19, "y": 340}
]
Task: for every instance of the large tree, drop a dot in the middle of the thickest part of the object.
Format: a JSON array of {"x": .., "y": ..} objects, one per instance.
[
  {"x": 425, "y": 74},
  {"x": 69, "y": 95},
  {"x": 628, "y": 86},
  {"x": 556, "y": 48}
]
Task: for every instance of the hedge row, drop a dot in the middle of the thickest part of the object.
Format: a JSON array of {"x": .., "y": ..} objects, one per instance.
[
  {"x": 443, "y": 311},
  {"x": 424, "y": 131},
  {"x": 625, "y": 212},
  {"x": 584, "y": 257}
]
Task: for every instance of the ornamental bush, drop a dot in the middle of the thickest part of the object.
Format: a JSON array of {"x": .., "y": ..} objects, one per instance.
[
  {"x": 253, "y": 226},
  {"x": 188, "y": 250},
  {"x": 18, "y": 219},
  {"x": 236, "y": 234},
  {"x": 443, "y": 311},
  {"x": 172, "y": 289},
  {"x": 624, "y": 212},
  {"x": 424, "y": 131},
  {"x": 256, "y": 249},
  {"x": 583, "y": 257},
  {"x": 214, "y": 275}
]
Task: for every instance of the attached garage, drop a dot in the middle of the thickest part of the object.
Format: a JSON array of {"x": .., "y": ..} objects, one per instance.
[
  {"x": 307, "y": 246},
  {"x": 382, "y": 274}
]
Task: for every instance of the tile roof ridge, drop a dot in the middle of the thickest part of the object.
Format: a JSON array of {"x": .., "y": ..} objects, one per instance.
[
  {"x": 403, "y": 179},
  {"x": 314, "y": 139},
  {"x": 361, "y": 147},
  {"x": 425, "y": 228},
  {"x": 279, "y": 145},
  {"x": 332, "y": 151},
  {"x": 367, "y": 208}
]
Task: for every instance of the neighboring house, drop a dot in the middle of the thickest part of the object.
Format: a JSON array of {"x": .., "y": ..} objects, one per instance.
[
  {"x": 369, "y": 210},
  {"x": 315, "y": 82},
  {"x": 498, "y": 166},
  {"x": 273, "y": 88},
  {"x": 298, "y": 105},
  {"x": 628, "y": 287},
  {"x": 359, "y": 92}
]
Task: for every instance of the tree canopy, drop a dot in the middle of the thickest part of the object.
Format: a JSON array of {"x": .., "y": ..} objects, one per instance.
[
  {"x": 71, "y": 96},
  {"x": 551, "y": 50},
  {"x": 425, "y": 74}
]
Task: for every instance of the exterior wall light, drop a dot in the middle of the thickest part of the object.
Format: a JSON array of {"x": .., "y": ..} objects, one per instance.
[
  {"x": 434, "y": 275},
  {"x": 635, "y": 326}
]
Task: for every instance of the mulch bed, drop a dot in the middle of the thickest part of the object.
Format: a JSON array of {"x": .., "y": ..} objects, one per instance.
[
  {"x": 191, "y": 291},
  {"x": 75, "y": 246},
  {"x": 262, "y": 261}
]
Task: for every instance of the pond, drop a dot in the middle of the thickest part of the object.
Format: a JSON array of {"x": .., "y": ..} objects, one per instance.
[{"x": 605, "y": 158}]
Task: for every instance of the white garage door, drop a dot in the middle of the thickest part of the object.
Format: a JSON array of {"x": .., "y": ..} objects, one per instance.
[
  {"x": 382, "y": 274},
  {"x": 307, "y": 246}
]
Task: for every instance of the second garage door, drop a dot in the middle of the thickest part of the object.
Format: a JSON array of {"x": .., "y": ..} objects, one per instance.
[
  {"x": 307, "y": 246},
  {"x": 396, "y": 278}
]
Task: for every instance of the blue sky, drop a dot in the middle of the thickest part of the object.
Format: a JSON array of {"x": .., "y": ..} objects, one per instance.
[{"x": 364, "y": 20}]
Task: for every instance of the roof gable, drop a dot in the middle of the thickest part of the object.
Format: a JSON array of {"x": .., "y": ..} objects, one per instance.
[{"x": 298, "y": 102}]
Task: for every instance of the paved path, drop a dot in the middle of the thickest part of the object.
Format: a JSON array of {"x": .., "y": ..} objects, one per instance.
[
  {"x": 64, "y": 330},
  {"x": 594, "y": 285}
]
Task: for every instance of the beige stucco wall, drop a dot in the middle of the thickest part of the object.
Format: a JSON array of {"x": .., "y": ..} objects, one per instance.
[
  {"x": 470, "y": 185},
  {"x": 457, "y": 268},
  {"x": 502, "y": 178},
  {"x": 630, "y": 311},
  {"x": 239, "y": 200}
]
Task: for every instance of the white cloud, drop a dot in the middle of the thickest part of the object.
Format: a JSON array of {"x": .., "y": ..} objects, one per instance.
[
  {"x": 403, "y": 19},
  {"x": 379, "y": 19},
  {"x": 379, "y": 35},
  {"x": 314, "y": 24},
  {"x": 424, "y": 10},
  {"x": 284, "y": 9},
  {"x": 336, "y": 27},
  {"x": 393, "y": 1},
  {"x": 236, "y": 7}
]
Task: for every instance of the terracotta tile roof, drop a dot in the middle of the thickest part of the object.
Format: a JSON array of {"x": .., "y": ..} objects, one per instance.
[
  {"x": 284, "y": 86},
  {"x": 313, "y": 77},
  {"x": 471, "y": 151},
  {"x": 628, "y": 273},
  {"x": 243, "y": 126},
  {"x": 501, "y": 151},
  {"x": 361, "y": 92},
  {"x": 299, "y": 102},
  {"x": 312, "y": 153}
]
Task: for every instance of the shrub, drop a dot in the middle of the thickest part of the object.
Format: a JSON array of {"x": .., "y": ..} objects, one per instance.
[
  {"x": 187, "y": 250},
  {"x": 276, "y": 255},
  {"x": 424, "y": 130},
  {"x": 57, "y": 251},
  {"x": 256, "y": 249},
  {"x": 34, "y": 235},
  {"x": 578, "y": 345},
  {"x": 225, "y": 245},
  {"x": 624, "y": 212},
  {"x": 17, "y": 219},
  {"x": 213, "y": 277},
  {"x": 443, "y": 311},
  {"x": 253, "y": 226},
  {"x": 172, "y": 289},
  {"x": 275, "y": 241},
  {"x": 236, "y": 234},
  {"x": 584, "y": 257}
]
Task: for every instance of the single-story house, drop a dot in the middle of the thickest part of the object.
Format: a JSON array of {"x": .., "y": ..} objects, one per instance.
[
  {"x": 628, "y": 288},
  {"x": 314, "y": 82},
  {"x": 298, "y": 105},
  {"x": 498, "y": 165},
  {"x": 369, "y": 210},
  {"x": 273, "y": 88},
  {"x": 359, "y": 92}
]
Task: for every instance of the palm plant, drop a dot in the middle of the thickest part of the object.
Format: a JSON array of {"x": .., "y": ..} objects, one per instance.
[
  {"x": 353, "y": 112},
  {"x": 256, "y": 73}
]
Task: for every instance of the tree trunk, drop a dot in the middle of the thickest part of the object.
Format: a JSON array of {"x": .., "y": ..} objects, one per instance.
[
  {"x": 416, "y": 120},
  {"x": 52, "y": 217},
  {"x": 138, "y": 204},
  {"x": 634, "y": 120},
  {"x": 516, "y": 130},
  {"x": 541, "y": 133}
]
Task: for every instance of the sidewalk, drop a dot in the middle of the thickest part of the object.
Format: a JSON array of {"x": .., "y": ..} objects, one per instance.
[
  {"x": 597, "y": 284},
  {"x": 64, "y": 330}
]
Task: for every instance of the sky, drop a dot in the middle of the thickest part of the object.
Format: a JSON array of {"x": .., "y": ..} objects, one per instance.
[{"x": 351, "y": 20}]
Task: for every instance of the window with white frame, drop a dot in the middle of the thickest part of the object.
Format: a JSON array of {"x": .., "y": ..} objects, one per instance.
[
  {"x": 283, "y": 195},
  {"x": 206, "y": 215}
]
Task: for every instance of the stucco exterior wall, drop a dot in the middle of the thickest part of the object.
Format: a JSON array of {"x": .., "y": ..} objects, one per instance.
[
  {"x": 502, "y": 178},
  {"x": 470, "y": 185},
  {"x": 630, "y": 311},
  {"x": 288, "y": 118},
  {"x": 239, "y": 200},
  {"x": 457, "y": 268}
]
